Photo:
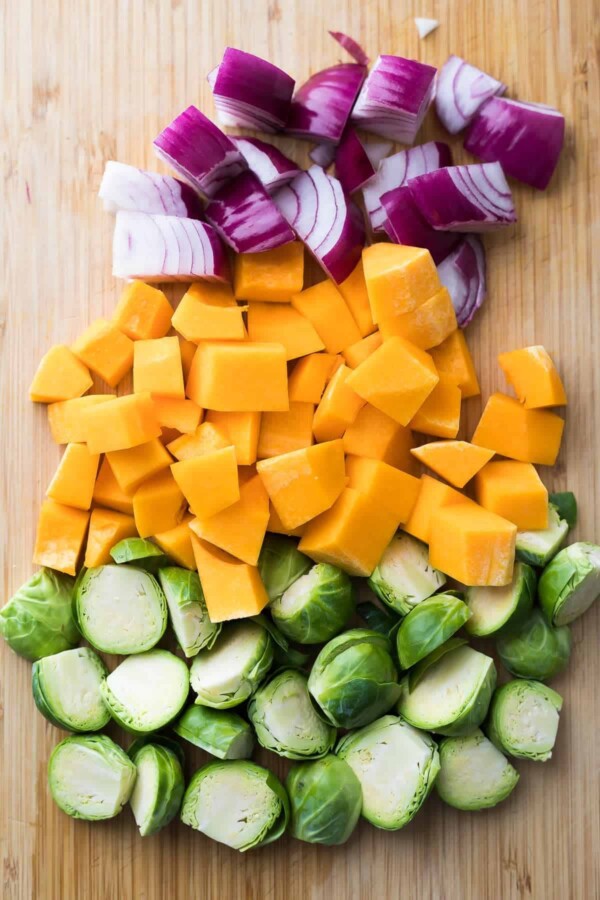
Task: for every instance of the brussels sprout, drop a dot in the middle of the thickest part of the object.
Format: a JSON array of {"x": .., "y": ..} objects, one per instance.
[
  {"x": 473, "y": 773},
  {"x": 120, "y": 609},
  {"x": 236, "y": 803},
  {"x": 316, "y": 606},
  {"x": 227, "y": 674},
  {"x": 325, "y": 800},
  {"x": 158, "y": 790},
  {"x": 523, "y": 719},
  {"x": 494, "y": 609},
  {"x": 187, "y": 610},
  {"x": 141, "y": 552},
  {"x": 280, "y": 564},
  {"x": 453, "y": 695},
  {"x": 38, "y": 620},
  {"x": 285, "y": 720},
  {"x": 417, "y": 673},
  {"x": 566, "y": 506},
  {"x": 428, "y": 626},
  {"x": 538, "y": 547},
  {"x": 353, "y": 679},
  {"x": 67, "y": 689},
  {"x": 377, "y": 619},
  {"x": 570, "y": 583},
  {"x": 146, "y": 691},
  {"x": 90, "y": 777},
  {"x": 396, "y": 765},
  {"x": 163, "y": 740},
  {"x": 218, "y": 731},
  {"x": 536, "y": 649},
  {"x": 404, "y": 577}
]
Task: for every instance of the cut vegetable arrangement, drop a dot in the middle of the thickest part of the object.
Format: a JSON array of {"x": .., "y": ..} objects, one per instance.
[{"x": 222, "y": 527}]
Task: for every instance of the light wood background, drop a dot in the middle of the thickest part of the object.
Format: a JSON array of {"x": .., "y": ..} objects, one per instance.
[{"x": 84, "y": 81}]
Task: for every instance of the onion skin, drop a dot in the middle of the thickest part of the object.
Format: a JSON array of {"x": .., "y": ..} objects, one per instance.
[
  {"x": 461, "y": 90},
  {"x": 269, "y": 164},
  {"x": 463, "y": 273},
  {"x": 246, "y": 217},
  {"x": 127, "y": 187},
  {"x": 322, "y": 105},
  {"x": 405, "y": 225},
  {"x": 250, "y": 92}
]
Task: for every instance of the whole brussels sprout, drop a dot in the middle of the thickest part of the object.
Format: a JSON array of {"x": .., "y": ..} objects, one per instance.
[
  {"x": 316, "y": 606},
  {"x": 325, "y": 800},
  {"x": 38, "y": 620},
  {"x": 535, "y": 649}
]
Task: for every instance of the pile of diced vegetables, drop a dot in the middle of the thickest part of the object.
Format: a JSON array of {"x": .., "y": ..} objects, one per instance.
[{"x": 258, "y": 493}]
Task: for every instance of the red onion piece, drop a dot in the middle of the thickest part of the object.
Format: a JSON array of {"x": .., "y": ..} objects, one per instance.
[
  {"x": 246, "y": 217},
  {"x": 268, "y": 163},
  {"x": 396, "y": 170},
  {"x": 127, "y": 187},
  {"x": 464, "y": 198},
  {"x": 460, "y": 91},
  {"x": 526, "y": 138},
  {"x": 405, "y": 225},
  {"x": 356, "y": 162},
  {"x": 322, "y": 105},
  {"x": 353, "y": 48},
  {"x": 166, "y": 248},
  {"x": 395, "y": 98},
  {"x": 199, "y": 151},
  {"x": 463, "y": 273},
  {"x": 251, "y": 92},
  {"x": 323, "y": 155},
  {"x": 324, "y": 218}
]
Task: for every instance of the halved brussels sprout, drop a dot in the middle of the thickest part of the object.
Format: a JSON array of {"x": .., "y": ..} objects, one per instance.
[
  {"x": 453, "y": 695},
  {"x": 187, "y": 610},
  {"x": 236, "y": 803},
  {"x": 146, "y": 691},
  {"x": 163, "y": 740},
  {"x": 158, "y": 789},
  {"x": 566, "y": 506},
  {"x": 218, "y": 731},
  {"x": 285, "y": 720},
  {"x": 316, "y": 606},
  {"x": 227, "y": 674},
  {"x": 377, "y": 619},
  {"x": 280, "y": 564},
  {"x": 404, "y": 577},
  {"x": 494, "y": 609},
  {"x": 90, "y": 777},
  {"x": 140, "y": 552},
  {"x": 473, "y": 773},
  {"x": 523, "y": 719},
  {"x": 38, "y": 620},
  {"x": 354, "y": 679},
  {"x": 325, "y": 801},
  {"x": 570, "y": 583},
  {"x": 535, "y": 649},
  {"x": 396, "y": 765},
  {"x": 428, "y": 626},
  {"x": 67, "y": 689},
  {"x": 120, "y": 609},
  {"x": 538, "y": 547}
]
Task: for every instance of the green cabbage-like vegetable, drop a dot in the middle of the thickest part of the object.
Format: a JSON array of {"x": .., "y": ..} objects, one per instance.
[
  {"x": 280, "y": 564},
  {"x": 147, "y": 690},
  {"x": 538, "y": 547},
  {"x": 218, "y": 731},
  {"x": 158, "y": 790},
  {"x": 473, "y": 773},
  {"x": 523, "y": 719},
  {"x": 494, "y": 610},
  {"x": 377, "y": 619},
  {"x": 38, "y": 620},
  {"x": 325, "y": 800},
  {"x": 428, "y": 626},
  {"x": 403, "y": 576},
  {"x": 67, "y": 689},
  {"x": 565, "y": 503},
  {"x": 187, "y": 610},
  {"x": 316, "y": 606},
  {"x": 535, "y": 649},
  {"x": 139, "y": 552},
  {"x": 570, "y": 583},
  {"x": 230, "y": 672}
]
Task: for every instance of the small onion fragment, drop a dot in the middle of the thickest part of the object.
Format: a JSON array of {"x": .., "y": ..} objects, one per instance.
[
  {"x": 199, "y": 151},
  {"x": 405, "y": 225},
  {"x": 463, "y": 273},
  {"x": 356, "y": 162},
  {"x": 460, "y": 91},
  {"x": 268, "y": 163},
  {"x": 395, "y": 98},
  {"x": 351, "y": 46},
  {"x": 245, "y": 216},
  {"x": 167, "y": 248},
  {"x": 465, "y": 198},
  {"x": 323, "y": 155},
  {"x": 322, "y": 105},
  {"x": 127, "y": 187},
  {"x": 425, "y": 26},
  {"x": 325, "y": 219},
  {"x": 250, "y": 92},
  {"x": 526, "y": 138}
]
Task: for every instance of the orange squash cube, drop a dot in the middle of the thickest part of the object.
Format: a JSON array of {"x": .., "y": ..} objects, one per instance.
[
  {"x": 67, "y": 420},
  {"x": 310, "y": 375},
  {"x": 425, "y": 326},
  {"x": 107, "y": 528},
  {"x": 157, "y": 368},
  {"x": 357, "y": 353},
  {"x": 281, "y": 323},
  {"x": 143, "y": 312},
  {"x": 133, "y": 466},
  {"x": 177, "y": 414},
  {"x": 273, "y": 276},
  {"x": 209, "y": 482},
  {"x": 208, "y": 312},
  {"x": 533, "y": 376},
  {"x": 439, "y": 414},
  {"x": 74, "y": 480},
  {"x": 59, "y": 376},
  {"x": 527, "y": 435},
  {"x": 354, "y": 291},
  {"x": 276, "y": 526},
  {"x": 107, "y": 492},
  {"x": 206, "y": 438},
  {"x": 377, "y": 436},
  {"x": 514, "y": 491},
  {"x": 240, "y": 376},
  {"x": 60, "y": 535},
  {"x": 338, "y": 408},
  {"x": 323, "y": 305},
  {"x": 385, "y": 485},
  {"x": 453, "y": 361},
  {"x": 454, "y": 461},
  {"x": 433, "y": 495},
  {"x": 158, "y": 505},
  {"x": 241, "y": 429},
  {"x": 122, "y": 423},
  {"x": 283, "y": 432},
  {"x": 177, "y": 544},
  {"x": 473, "y": 545},
  {"x": 105, "y": 350},
  {"x": 398, "y": 278},
  {"x": 232, "y": 588},
  {"x": 188, "y": 351},
  {"x": 240, "y": 529}
]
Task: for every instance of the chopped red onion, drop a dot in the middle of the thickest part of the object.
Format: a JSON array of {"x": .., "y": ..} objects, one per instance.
[
  {"x": 322, "y": 105},
  {"x": 464, "y": 198},
  {"x": 526, "y": 138},
  {"x": 325, "y": 219},
  {"x": 395, "y": 98},
  {"x": 405, "y": 225},
  {"x": 246, "y": 217},
  {"x": 460, "y": 91},
  {"x": 250, "y": 92},
  {"x": 323, "y": 155},
  {"x": 268, "y": 163},
  {"x": 167, "y": 248},
  {"x": 199, "y": 151},
  {"x": 126, "y": 187},
  {"x": 396, "y": 170},
  {"x": 356, "y": 162},
  {"x": 463, "y": 273},
  {"x": 354, "y": 49}
]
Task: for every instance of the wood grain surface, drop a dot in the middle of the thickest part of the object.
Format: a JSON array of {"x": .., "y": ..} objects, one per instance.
[{"x": 84, "y": 81}]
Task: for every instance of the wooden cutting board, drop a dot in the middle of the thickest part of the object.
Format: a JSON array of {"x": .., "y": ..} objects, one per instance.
[{"x": 89, "y": 80}]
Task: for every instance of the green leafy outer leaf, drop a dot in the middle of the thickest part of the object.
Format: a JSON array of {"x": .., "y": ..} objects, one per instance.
[
  {"x": 566, "y": 504},
  {"x": 141, "y": 552},
  {"x": 220, "y": 732},
  {"x": 159, "y": 772},
  {"x": 280, "y": 563},
  {"x": 376, "y": 618},
  {"x": 187, "y": 610},
  {"x": 323, "y": 604},
  {"x": 38, "y": 620},
  {"x": 473, "y": 773},
  {"x": 428, "y": 625},
  {"x": 535, "y": 649},
  {"x": 570, "y": 583},
  {"x": 325, "y": 800},
  {"x": 67, "y": 689},
  {"x": 523, "y": 719}
]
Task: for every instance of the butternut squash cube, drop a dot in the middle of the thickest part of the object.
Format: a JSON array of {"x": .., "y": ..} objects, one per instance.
[
  {"x": 240, "y": 529},
  {"x": 455, "y": 461},
  {"x": 67, "y": 417},
  {"x": 188, "y": 351},
  {"x": 273, "y": 276},
  {"x": 232, "y": 588},
  {"x": 158, "y": 505},
  {"x": 425, "y": 326},
  {"x": 74, "y": 480},
  {"x": 281, "y": 323},
  {"x": 208, "y": 312},
  {"x": 398, "y": 278},
  {"x": 439, "y": 414},
  {"x": 132, "y": 467},
  {"x": 453, "y": 361},
  {"x": 473, "y": 545},
  {"x": 304, "y": 483},
  {"x": 157, "y": 368},
  {"x": 533, "y": 376},
  {"x": 108, "y": 493},
  {"x": 324, "y": 306},
  {"x": 338, "y": 408},
  {"x": 377, "y": 436},
  {"x": 105, "y": 350},
  {"x": 206, "y": 438},
  {"x": 433, "y": 495},
  {"x": 209, "y": 482},
  {"x": 387, "y": 486},
  {"x": 514, "y": 491},
  {"x": 527, "y": 435},
  {"x": 275, "y": 525},
  {"x": 177, "y": 544},
  {"x": 357, "y": 353},
  {"x": 354, "y": 291},
  {"x": 60, "y": 535},
  {"x": 59, "y": 376},
  {"x": 178, "y": 414},
  {"x": 107, "y": 528},
  {"x": 310, "y": 375},
  {"x": 122, "y": 423},
  {"x": 284, "y": 432},
  {"x": 239, "y": 377},
  {"x": 143, "y": 312},
  {"x": 241, "y": 429}
]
